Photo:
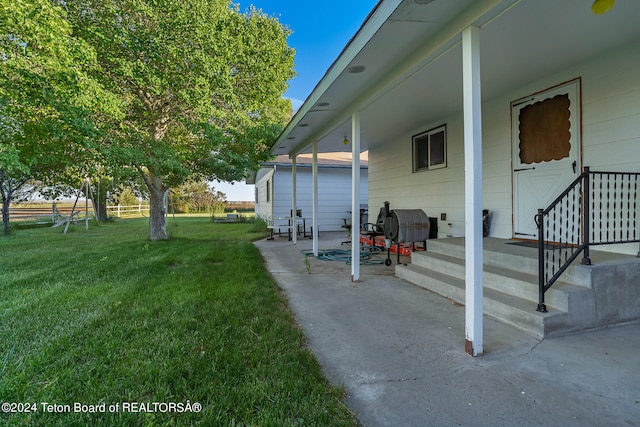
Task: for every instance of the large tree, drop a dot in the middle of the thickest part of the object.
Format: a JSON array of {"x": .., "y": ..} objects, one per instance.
[
  {"x": 47, "y": 100},
  {"x": 202, "y": 83}
]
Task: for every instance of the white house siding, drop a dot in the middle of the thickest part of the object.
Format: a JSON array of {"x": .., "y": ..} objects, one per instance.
[
  {"x": 611, "y": 112},
  {"x": 264, "y": 208},
  {"x": 334, "y": 194},
  {"x": 610, "y": 139}
]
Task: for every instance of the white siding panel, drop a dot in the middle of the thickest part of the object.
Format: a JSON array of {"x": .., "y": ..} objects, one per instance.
[
  {"x": 264, "y": 208},
  {"x": 626, "y": 128},
  {"x": 611, "y": 119},
  {"x": 611, "y": 141},
  {"x": 334, "y": 195},
  {"x": 434, "y": 191},
  {"x": 442, "y": 190}
]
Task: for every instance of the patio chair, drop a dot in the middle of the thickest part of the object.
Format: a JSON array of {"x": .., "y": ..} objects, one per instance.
[
  {"x": 346, "y": 226},
  {"x": 371, "y": 231}
]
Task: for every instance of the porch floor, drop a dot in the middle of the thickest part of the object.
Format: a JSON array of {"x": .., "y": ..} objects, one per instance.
[{"x": 399, "y": 352}]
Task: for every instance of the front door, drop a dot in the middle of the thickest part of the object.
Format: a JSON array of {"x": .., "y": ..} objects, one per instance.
[{"x": 546, "y": 151}]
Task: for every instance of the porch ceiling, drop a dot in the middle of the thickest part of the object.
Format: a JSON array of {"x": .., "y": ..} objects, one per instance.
[{"x": 411, "y": 53}]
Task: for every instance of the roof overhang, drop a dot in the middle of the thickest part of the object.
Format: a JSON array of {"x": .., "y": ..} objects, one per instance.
[{"x": 403, "y": 68}]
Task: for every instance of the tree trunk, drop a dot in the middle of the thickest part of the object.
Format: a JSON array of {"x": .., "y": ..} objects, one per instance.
[
  {"x": 100, "y": 202},
  {"x": 157, "y": 191},
  {"x": 6, "y": 192},
  {"x": 157, "y": 224},
  {"x": 8, "y": 189},
  {"x": 6, "y": 225}
]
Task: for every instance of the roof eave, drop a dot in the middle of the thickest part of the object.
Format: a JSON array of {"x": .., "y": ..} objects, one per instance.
[{"x": 374, "y": 21}]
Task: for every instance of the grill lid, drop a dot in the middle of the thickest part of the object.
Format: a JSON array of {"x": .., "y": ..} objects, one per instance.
[{"x": 407, "y": 225}]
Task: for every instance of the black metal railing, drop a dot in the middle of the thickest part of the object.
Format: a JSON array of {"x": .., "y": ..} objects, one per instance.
[{"x": 598, "y": 208}]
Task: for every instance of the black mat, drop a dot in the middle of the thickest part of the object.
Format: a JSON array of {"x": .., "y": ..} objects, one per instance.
[
  {"x": 534, "y": 245},
  {"x": 525, "y": 244}
]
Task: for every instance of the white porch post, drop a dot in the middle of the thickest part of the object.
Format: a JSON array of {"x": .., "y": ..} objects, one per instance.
[
  {"x": 472, "y": 190},
  {"x": 294, "y": 235},
  {"x": 355, "y": 196},
  {"x": 314, "y": 173}
]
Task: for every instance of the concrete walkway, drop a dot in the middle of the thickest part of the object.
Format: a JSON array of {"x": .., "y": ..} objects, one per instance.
[{"x": 399, "y": 352}]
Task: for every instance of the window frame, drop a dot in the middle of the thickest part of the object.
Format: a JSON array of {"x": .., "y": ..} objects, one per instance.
[
  {"x": 425, "y": 138},
  {"x": 268, "y": 195}
]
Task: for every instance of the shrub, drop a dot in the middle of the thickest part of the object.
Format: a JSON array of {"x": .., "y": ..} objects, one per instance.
[
  {"x": 198, "y": 197},
  {"x": 258, "y": 225}
]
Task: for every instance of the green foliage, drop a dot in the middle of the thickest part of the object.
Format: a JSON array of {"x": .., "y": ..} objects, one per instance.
[
  {"x": 171, "y": 91},
  {"x": 46, "y": 90},
  {"x": 258, "y": 225},
  {"x": 111, "y": 317},
  {"x": 48, "y": 102},
  {"x": 198, "y": 197},
  {"x": 127, "y": 197},
  {"x": 201, "y": 82},
  {"x": 10, "y": 161}
]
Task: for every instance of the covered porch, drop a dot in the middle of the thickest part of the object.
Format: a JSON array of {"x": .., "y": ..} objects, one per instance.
[{"x": 455, "y": 67}]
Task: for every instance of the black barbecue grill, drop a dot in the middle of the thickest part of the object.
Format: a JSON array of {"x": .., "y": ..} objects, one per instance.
[{"x": 404, "y": 226}]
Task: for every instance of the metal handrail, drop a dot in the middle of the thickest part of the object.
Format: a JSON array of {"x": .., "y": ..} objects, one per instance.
[{"x": 577, "y": 206}]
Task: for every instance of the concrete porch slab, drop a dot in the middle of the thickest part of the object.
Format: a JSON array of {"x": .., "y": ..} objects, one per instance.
[{"x": 399, "y": 352}]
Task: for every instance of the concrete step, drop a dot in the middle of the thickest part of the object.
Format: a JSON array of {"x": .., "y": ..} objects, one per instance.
[
  {"x": 510, "y": 278},
  {"x": 501, "y": 253},
  {"x": 496, "y": 252},
  {"x": 586, "y": 296},
  {"x": 506, "y": 280},
  {"x": 509, "y": 309}
]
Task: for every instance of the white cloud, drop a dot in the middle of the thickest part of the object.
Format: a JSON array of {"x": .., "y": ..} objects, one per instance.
[{"x": 296, "y": 103}]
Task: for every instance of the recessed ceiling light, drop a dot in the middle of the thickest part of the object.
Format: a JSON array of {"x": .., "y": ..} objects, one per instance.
[{"x": 356, "y": 69}]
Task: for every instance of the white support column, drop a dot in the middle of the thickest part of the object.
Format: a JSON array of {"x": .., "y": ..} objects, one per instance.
[
  {"x": 294, "y": 234},
  {"x": 355, "y": 197},
  {"x": 314, "y": 178},
  {"x": 472, "y": 190}
]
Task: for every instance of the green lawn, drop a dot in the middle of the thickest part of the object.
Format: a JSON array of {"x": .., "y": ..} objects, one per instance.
[{"x": 150, "y": 330}]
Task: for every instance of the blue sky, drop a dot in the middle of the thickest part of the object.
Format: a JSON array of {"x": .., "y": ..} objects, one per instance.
[{"x": 320, "y": 32}]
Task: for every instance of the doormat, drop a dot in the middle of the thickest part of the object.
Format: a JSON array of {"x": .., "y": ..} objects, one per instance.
[
  {"x": 534, "y": 245},
  {"x": 528, "y": 244},
  {"x": 524, "y": 244}
]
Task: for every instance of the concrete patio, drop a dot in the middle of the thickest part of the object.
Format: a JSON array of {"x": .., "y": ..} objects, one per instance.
[{"x": 398, "y": 350}]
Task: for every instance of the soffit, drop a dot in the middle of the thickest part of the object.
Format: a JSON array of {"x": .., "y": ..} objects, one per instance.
[{"x": 413, "y": 63}]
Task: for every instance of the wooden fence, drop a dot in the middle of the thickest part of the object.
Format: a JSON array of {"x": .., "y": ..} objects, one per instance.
[
  {"x": 42, "y": 213},
  {"x": 132, "y": 210},
  {"x": 38, "y": 213},
  {"x": 50, "y": 213}
]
